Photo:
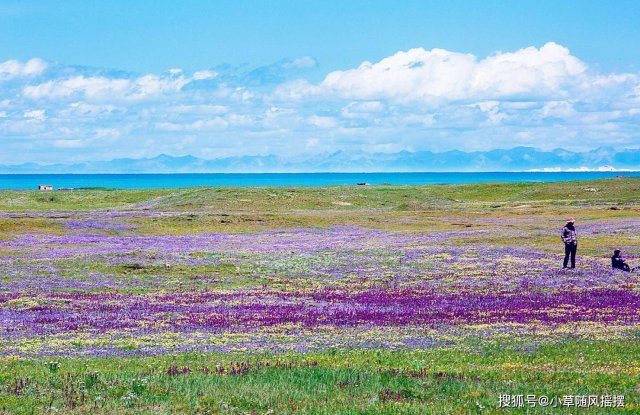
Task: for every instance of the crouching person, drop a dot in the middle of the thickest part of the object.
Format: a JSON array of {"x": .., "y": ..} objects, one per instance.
[{"x": 617, "y": 262}]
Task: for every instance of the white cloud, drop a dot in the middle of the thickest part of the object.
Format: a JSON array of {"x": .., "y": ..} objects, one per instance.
[
  {"x": 296, "y": 90},
  {"x": 37, "y": 115},
  {"x": 202, "y": 75},
  {"x": 89, "y": 88},
  {"x": 152, "y": 85},
  {"x": 362, "y": 109},
  {"x": 558, "y": 109},
  {"x": 102, "y": 88},
  {"x": 216, "y": 123},
  {"x": 405, "y": 76},
  {"x": 415, "y": 99},
  {"x": 491, "y": 109},
  {"x": 208, "y": 124},
  {"x": 438, "y": 76},
  {"x": 83, "y": 109},
  {"x": 530, "y": 72},
  {"x": 13, "y": 68}
]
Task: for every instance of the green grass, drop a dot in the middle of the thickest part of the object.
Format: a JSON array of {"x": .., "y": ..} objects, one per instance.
[
  {"x": 277, "y": 199},
  {"x": 440, "y": 381},
  {"x": 18, "y": 201}
]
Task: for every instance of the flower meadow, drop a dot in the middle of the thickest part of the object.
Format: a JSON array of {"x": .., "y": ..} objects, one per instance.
[
  {"x": 143, "y": 281},
  {"x": 99, "y": 287}
]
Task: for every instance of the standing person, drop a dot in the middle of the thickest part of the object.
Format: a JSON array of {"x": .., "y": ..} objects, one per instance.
[{"x": 570, "y": 239}]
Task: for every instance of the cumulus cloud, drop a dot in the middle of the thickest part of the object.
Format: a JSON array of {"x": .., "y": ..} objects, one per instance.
[
  {"x": 102, "y": 88},
  {"x": 203, "y": 75},
  {"x": 438, "y": 76},
  {"x": 414, "y": 100},
  {"x": 15, "y": 69}
]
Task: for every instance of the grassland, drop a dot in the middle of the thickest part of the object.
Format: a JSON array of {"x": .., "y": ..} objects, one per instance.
[{"x": 332, "y": 300}]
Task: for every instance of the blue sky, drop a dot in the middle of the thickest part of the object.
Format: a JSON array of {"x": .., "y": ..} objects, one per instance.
[{"x": 96, "y": 80}]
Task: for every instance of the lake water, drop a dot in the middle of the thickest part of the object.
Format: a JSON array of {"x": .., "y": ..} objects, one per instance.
[{"x": 152, "y": 181}]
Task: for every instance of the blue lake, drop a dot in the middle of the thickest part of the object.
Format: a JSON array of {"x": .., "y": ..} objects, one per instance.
[{"x": 152, "y": 181}]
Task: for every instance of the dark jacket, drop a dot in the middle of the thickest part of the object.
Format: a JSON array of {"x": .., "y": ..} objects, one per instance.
[
  {"x": 569, "y": 234},
  {"x": 617, "y": 262}
]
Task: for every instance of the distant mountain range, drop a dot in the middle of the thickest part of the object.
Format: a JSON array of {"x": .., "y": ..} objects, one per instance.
[{"x": 515, "y": 159}]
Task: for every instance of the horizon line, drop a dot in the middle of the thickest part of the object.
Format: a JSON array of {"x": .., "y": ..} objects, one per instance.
[{"x": 335, "y": 172}]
